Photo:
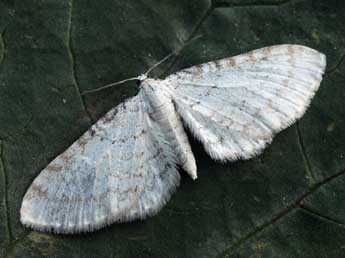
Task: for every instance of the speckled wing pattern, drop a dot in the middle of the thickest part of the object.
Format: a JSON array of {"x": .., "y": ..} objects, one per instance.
[
  {"x": 124, "y": 167},
  {"x": 236, "y": 105},
  {"x": 121, "y": 169}
]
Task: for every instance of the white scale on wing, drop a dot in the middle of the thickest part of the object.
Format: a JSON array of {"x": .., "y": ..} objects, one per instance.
[{"x": 125, "y": 166}]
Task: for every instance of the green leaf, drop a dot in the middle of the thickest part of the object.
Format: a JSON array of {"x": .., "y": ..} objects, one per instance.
[{"x": 288, "y": 202}]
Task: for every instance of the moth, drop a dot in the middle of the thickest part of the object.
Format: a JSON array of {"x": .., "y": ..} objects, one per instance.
[{"x": 125, "y": 167}]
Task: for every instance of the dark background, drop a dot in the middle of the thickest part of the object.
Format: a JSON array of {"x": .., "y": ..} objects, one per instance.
[{"x": 288, "y": 202}]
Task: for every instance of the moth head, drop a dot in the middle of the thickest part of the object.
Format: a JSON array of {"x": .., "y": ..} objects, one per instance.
[{"x": 141, "y": 78}]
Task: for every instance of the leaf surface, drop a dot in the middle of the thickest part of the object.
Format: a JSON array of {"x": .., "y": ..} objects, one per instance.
[{"x": 288, "y": 202}]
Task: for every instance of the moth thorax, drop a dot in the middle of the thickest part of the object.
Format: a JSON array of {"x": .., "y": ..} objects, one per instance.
[{"x": 155, "y": 93}]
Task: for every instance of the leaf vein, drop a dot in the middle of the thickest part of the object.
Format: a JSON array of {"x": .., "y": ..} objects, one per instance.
[
  {"x": 287, "y": 210},
  {"x": 73, "y": 63},
  {"x": 321, "y": 216},
  {"x": 309, "y": 172}
]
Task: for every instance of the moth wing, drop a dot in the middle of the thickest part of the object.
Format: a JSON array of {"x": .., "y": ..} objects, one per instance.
[
  {"x": 236, "y": 105},
  {"x": 121, "y": 169}
]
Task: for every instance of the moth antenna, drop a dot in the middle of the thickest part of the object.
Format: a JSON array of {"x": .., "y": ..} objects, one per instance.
[
  {"x": 110, "y": 85},
  {"x": 175, "y": 52}
]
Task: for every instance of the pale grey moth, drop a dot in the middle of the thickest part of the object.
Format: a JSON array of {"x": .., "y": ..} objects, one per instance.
[{"x": 125, "y": 167}]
